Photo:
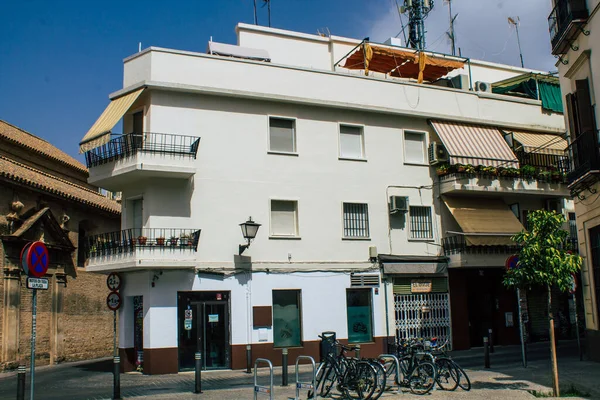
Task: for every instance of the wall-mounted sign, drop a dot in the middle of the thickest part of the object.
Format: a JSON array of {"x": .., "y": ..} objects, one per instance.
[
  {"x": 508, "y": 318},
  {"x": 219, "y": 296},
  {"x": 420, "y": 285},
  {"x": 187, "y": 324},
  {"x": 213, "y": 317}
]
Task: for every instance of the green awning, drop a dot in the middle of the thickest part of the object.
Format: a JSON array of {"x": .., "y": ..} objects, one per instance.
[
  {"x": 526, "y": 88},
  {"x": 551, "y": 97}
]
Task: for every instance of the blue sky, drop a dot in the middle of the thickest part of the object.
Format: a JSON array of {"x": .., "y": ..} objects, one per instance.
[{"x": 59, "y": 59}]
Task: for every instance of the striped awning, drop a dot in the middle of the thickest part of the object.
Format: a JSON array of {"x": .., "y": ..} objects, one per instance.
[
  {"x": 485, "y": 222},
  {"x": 541, "y": 143},
  {"x": 475, "y": 144},
  {"x": 99, "y": 133}
]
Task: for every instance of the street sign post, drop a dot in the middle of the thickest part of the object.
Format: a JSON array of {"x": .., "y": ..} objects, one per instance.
[
  {"x": 113, "y": 281},
  {"x": 573, "y": 290},
  {"x": 113, "y": 301},
  {"x": 35, "y": 262}
]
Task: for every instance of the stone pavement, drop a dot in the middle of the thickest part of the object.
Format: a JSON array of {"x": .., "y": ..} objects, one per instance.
[{"x": 507, "y": 379}]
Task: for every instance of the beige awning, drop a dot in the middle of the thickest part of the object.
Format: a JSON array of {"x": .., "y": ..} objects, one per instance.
[
  {"x": 99, "y": 133},
  {"x": 541, "y": 143},
  {"x": 475, "y": 144},
  {"x": 489, "y": 220}
]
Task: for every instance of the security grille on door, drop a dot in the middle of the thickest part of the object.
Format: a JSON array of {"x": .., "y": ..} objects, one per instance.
[
  {"x": 364, "y": 280},
  {"x": 423, "y": 316}
]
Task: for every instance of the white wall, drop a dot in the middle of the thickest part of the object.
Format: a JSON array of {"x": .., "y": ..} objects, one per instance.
[{"x": 318, "y": 289}]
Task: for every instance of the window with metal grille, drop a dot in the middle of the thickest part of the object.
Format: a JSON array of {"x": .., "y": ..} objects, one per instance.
[
  {"x": 420, "y": 222},
  {"x": 356, "y": 220}
]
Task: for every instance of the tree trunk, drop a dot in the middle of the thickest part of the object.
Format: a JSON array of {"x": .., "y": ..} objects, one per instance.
[{"x": 555, "y": 387}]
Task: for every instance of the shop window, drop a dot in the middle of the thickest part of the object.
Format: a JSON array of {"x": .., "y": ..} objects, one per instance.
[
  {"x": 287, "y": 326},
  {"x": 359, "y": 312}
]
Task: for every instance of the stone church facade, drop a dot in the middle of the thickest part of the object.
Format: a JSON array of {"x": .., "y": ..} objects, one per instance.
[{"x": 44, "y": 195}]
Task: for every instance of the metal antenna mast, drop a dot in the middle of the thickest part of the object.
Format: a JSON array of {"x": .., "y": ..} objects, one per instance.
[
  {"x": 417, "y": 12},
  {"x": 451, "y": 34},
  {"x": 516, "y": 24},
  {"x": 255, "y": 18},
  {"x": 268, "y": 4}
]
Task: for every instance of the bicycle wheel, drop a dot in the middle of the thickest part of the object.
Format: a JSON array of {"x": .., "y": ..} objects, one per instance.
[
  {"x": 447, "y": 375},
  {"x": 329, "y": 378},
  {"x": 422, "y": 378},
  {"x": 381, "y": 379},
  {"x": 360, "y": 381},
  {"x": 463, "y": 379},
  {"x": 390, "y": 371}
]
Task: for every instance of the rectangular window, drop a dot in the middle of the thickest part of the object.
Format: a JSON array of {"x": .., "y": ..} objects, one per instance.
[
  {"x": 358, "y": 306},
  {"x": 356, "y": 220},
  {"x": 284, "y": 218},
  {"x": 351, "y": 142},
  {"x": 414, "y": 147},
  {"x": 420, "y": 222},
  {"x": 595, "y": 259},
  {"x": 287, "y": 326},
  {"x": 282, "y": 135},
  {"x": 572, "y": 226}
]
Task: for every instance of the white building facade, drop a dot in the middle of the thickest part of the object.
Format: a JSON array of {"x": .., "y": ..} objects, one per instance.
[{"x": 316, "y": 153}]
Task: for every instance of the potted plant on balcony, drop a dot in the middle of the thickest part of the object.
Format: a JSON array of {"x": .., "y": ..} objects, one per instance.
[
  {"x": 160, "y": 241},
  {"x": 528, "y": 171},
  {"x": 173, "y": 241},
  {"x": 442, "y": 169},
  {"x": 142, "y": 240},
  {"x": 186, "y": 239},
  {"x": 490, "y": 170},
  {"x": 556, "y": 175},
  {"x": 544, "y": 176},
  {"x": 460, "y": 168},
  {"x": 470, "y": 169}
]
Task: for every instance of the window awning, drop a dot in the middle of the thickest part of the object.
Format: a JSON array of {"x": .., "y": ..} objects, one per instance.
[
  {"x": 541, "y": 143},
  {"x": 475, "y": 144},
  {"x": 485, "y": 222},
  {"x": 99, "y": 133},
  {"x": 404, "y": 63}
]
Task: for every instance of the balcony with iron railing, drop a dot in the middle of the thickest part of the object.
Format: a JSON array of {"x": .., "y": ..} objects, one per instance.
[
  {"x": 131, "y": 249},
  {"x": 565, "y": 21},
  {"x": 134, "y": 156},
  {"x": 584, "y": 154},
  {"x": 539, "y": 174}
]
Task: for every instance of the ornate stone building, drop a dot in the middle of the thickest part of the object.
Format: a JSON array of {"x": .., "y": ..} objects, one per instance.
[{"x": 44, "y": 195}]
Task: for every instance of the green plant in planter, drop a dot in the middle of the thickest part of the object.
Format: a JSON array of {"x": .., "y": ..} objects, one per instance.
[
  {"x": 442, "y": 169},
  {"x": 544, "y": 176},
  {"x": 469, "y": 169},
  {"x": 528, "y": 171},
  {"x": 489, "y": 170},
  {"x": 460, "y": 167}
]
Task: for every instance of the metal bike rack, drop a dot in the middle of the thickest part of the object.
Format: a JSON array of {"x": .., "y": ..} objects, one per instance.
[
  {"x": 263, "y": 389},
  {"x": 393, "y": 357},
  {"x": 306, "y": 385}
]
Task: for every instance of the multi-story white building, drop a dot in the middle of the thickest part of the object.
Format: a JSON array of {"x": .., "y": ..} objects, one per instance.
[
  {"x": 572, "y": 32},
  {"x": 331, "y": 158}
]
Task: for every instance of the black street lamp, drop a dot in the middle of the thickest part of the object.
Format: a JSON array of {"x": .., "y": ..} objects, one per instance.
[{"x": 249, "y": 230}]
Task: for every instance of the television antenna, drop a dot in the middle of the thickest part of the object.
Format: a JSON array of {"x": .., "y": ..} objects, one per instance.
[
  {"x": 417, "y": 10},
  {"x": 451, "y": 33},
  {"x": 516, "y": 22}
]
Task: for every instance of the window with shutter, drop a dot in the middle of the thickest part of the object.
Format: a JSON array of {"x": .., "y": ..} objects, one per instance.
[{"x": 585, "y": 110}]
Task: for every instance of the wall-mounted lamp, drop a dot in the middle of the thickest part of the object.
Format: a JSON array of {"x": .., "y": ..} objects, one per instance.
[{"x": 249, "y": 230}]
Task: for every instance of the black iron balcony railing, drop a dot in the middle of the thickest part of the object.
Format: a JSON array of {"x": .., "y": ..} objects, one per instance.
[
  {"x": 124, "y": 146},
  {"x": 457, "y": 244},
  {"x": 560, "y": 22},
  {"x": 130, "y": 240},
  {"x": 584, "y": 154},
  {"x": 552, "y": 162}
]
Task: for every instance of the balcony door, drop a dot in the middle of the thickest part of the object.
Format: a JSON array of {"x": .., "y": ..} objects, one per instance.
[
  {"x": 137, "y": 221},
  {"x": 138, "y": 129}
]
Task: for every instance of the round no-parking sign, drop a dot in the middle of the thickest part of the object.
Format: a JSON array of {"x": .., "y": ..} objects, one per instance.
[{"x": 35, "y": 259}]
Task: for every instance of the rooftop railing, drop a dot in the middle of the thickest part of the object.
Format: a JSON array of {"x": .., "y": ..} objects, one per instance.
[
  {"x": 132, "y": 240},
  {"x": 129, "y": 144}
]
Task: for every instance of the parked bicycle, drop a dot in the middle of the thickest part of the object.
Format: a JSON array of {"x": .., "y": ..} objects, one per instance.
[
  {"x": 450, "y": 374},
  {"x": 353, "y": 378},
  {"x": 417, "y": 367}
]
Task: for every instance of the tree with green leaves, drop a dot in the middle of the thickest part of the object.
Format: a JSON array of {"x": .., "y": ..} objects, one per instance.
[{"x": 544, "y": 260}]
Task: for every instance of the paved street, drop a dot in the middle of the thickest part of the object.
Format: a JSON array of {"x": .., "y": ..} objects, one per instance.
[{"x": 507, "y": 379}]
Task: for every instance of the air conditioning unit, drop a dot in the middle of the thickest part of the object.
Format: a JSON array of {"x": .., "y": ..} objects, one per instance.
[
  {"x": 437, "y": 153},
  {"x": 483, "y": 87},
  {"x": 398, "y": 204},
  {"x": 460, "y": 82}
]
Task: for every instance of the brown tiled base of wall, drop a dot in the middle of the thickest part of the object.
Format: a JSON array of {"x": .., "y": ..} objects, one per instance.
[
  {"x": 309, "y": 348},
  {"x": 161, "y": 361},
  {"x": 592, "y": 344}
]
